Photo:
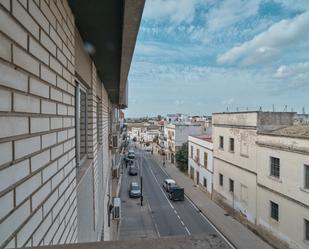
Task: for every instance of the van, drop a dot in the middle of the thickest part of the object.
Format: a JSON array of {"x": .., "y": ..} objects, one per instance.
[{"x": 168, "y": 183}]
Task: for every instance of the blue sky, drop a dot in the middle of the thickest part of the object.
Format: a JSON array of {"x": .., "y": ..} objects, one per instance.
[{"x": 204, "y": 56}]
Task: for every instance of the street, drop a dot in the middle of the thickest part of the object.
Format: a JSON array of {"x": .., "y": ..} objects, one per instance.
[{"x": 158, "y": 217}]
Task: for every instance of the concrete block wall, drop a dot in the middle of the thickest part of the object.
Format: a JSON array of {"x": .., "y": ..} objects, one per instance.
[{"x": 37, "y": 135}]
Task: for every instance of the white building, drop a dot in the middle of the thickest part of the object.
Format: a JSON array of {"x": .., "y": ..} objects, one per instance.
[
  {"x": 177, "y": 134},
  {"x": 200, "y": 161},
  {"x": 283, "y": 184},
  {"x": 59, "y": 127}
]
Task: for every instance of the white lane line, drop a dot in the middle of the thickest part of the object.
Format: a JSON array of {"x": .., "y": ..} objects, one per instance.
[
  {"x": 187, "y": 230},
  {"x": 197, "y": 209},
  {"x": 178, "y": 216},
  {"x": 210, "y": 223},
  {"x": 182, "y": 223},
  {"x": 160, "y": 188}
]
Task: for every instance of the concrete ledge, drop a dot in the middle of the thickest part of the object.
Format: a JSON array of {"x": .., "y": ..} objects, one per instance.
[{"x": 179, "y": 242}]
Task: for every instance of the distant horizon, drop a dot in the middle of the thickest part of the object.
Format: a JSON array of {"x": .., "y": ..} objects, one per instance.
[{"x": 189, "y": 59}]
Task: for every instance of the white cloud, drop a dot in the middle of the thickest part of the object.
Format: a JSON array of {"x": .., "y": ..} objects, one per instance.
[
  {"x": 267, "y": 45},
  {"x": 296, "y": 74},
  {"x": 231, "y": 12},
  {"x": 176, "y": 11},
  {"x": 285, "y": 71}
]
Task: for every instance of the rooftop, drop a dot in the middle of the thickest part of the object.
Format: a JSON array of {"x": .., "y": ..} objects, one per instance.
[
  {"x": 203, "y": 137},
  {"x": 298, "y": 131}
]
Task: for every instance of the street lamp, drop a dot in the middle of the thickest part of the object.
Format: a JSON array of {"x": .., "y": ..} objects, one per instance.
[{"x": 141, "y": 179}]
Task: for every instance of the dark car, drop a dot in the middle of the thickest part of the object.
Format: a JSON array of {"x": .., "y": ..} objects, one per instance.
[
  {"x": 135, "y": 190},
  {"x": 176, "y": 193},
  {"x": 133, "y": 171}
]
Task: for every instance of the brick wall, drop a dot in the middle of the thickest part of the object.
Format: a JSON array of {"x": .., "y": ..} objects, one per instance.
[{"x": 37, "y": 135}]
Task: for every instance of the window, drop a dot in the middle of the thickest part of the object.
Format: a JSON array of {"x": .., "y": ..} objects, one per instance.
[
  {"x": 81, "y": 124},
  {"x": 232, "y": 144},
  {"x": 231, "y": 185},
  {"x": 221, "y": 179},
  {"x": 205, "y": 182},
  {"x": 198, "y": 155},
  {"x": 274, "y": 210},
  {"x": 205, "y": 160},
  {"x": 191, "y": 151},
  {"x": 221, "y": 142},
  {"x": 306, "y": 229},
  {"x": 275, "y": 167},
  {"x": 98, "y": 123},
  {"x": 306, "y": 169},
  {"x": 244, "y": 193}
]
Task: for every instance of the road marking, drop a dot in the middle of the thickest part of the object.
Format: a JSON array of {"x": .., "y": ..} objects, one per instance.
[
  {"x": 211, "y": 224},
  {"x": 161, "y": 188},
  {"x": 187, "y": 230},
  {"x": 196, "y": 208},
  {"x": 182, "y": 223}
]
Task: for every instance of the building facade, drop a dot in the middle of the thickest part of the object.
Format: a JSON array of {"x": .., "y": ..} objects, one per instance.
[
  {"x": 177, "y": 134},
  {"x": 283, "y": 184},
  {"x": 59, "y": 121},
  {"x": 261, "y": 171},
  {"x": 200, "y": 161},
  {"x": 235, "y": 172}
]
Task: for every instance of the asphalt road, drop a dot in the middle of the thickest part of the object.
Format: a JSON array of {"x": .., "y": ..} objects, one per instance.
[{"x": 159, "y": 217}]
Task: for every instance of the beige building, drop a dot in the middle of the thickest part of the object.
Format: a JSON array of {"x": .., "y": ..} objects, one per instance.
[
  {"x": 176, "y": 134},
  {"x": 235, "y": 172},
  {"x": 283, "y": 184},
  {"x": 261, "y": 170},
  {"x": 59, "y": 108}
]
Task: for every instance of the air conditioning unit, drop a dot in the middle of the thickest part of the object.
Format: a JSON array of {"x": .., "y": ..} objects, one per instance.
[
  {"x": 113, "y": 141},
  {"x": 116, "y": 208}
]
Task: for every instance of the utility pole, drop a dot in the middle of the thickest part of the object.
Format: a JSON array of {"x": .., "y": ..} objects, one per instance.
[{"x": 141, "y": 178}]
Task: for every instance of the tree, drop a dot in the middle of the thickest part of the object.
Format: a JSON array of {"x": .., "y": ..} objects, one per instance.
[
  {"x": 134, "y": 139},
  {"x": 159, "y": 117},
  {"x": 182, "y": 157},
  {"x": 156, "y": 140},
  {"x": 147, "y": 144}
]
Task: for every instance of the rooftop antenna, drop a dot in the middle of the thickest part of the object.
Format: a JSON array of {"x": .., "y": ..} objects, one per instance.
[
  {"x": 273, "y": 108},
  {"x": 227, "y": 109},
  {"x": 285, "y": 108},
  {"x": 260, "y": 108},
  {"x": 304, "y": 110}
]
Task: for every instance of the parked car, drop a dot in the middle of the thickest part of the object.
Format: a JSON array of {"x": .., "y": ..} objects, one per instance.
[
  {"x": 176, "y": 193},
  {"x": 135, "y": 190},
  {"x": 131, "y": 154},
  {"x": 168, "y": 183},
  {"x": 133, "y": 170}
]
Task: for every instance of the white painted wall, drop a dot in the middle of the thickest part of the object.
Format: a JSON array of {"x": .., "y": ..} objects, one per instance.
[{"x": 203, "y": 146}]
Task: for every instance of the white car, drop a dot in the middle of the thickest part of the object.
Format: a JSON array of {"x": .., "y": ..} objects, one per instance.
[{"x": 167, "y": 183}]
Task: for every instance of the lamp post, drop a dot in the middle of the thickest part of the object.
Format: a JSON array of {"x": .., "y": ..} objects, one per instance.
[{"x": 141, "y": 180}]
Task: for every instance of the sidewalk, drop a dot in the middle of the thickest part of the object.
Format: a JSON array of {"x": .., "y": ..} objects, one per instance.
[{"x": 240, "y": 236}]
